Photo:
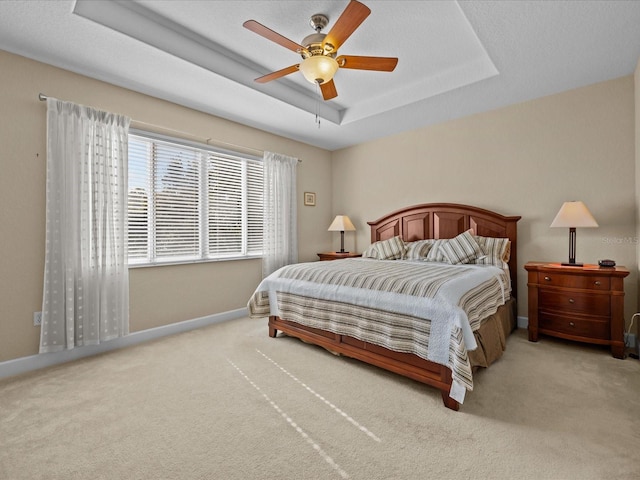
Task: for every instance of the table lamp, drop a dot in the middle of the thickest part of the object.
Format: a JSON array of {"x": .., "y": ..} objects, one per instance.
[
  {"x": 340, "y": 224},
  {"x": 571, "y": 215}
]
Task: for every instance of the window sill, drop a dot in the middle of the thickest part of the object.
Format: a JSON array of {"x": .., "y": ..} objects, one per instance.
[{"x": 190, "y": 262}]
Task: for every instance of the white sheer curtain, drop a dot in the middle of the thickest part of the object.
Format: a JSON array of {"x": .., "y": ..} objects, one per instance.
[
  {"x": 86, "y": 279},
  {"x": 280, "y": 240}
]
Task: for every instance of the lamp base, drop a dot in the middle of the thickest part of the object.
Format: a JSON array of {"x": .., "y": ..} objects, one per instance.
[{"x": 572, "y": 250}]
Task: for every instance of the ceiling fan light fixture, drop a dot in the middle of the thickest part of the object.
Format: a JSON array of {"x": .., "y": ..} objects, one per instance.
[
  {"x": 319, "y": 51},
  {"x": 319, "y": 69}
]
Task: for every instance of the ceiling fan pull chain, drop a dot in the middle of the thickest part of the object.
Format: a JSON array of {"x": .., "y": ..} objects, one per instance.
[{"x": 318, "y": 103}]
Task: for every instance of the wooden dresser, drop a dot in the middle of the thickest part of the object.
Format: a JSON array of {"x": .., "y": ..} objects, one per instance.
[{"x": 585, "y": 304}]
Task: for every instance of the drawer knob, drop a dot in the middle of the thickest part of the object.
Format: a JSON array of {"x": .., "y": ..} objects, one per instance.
[
  {"x": 572, "y": 324},
  {"x": 547, "y": 279},
  {"x": 571, "y": 300},
  {"x": 597, "y": 283}
]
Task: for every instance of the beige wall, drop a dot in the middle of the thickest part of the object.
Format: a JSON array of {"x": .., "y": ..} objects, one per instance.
[
  {"x": 159, "y": 295},
  {"x": 525, "y": 159}
]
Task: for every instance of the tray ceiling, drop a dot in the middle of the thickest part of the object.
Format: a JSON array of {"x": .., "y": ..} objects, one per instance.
[{"x": 455, "y": 58}]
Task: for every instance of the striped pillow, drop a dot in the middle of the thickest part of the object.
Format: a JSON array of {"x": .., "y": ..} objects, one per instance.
[
  {"x": 497, "y": 251},
  {"x": 462, "y": 249},
  {"x": 391, "y": 249},
  {"x": 418, "y": 250},
  {"x": 370, "y": 252},
  {"x": 435, "y": 254}
]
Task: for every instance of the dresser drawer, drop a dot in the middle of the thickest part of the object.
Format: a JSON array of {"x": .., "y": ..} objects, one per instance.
[
  {"x": 591, "y": 282},
  {"x": 574, "y": 302},
  {"x": 595, "y": 329}
]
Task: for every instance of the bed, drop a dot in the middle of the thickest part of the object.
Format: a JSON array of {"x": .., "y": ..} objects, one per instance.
[{"x": 400, "y": 336}]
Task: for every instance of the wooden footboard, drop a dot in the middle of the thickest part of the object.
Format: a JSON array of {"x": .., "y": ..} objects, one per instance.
[{"x": 405, "y": 364}]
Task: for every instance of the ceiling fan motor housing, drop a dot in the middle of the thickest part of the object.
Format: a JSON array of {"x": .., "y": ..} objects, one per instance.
[{"x": 313, "y": 45}]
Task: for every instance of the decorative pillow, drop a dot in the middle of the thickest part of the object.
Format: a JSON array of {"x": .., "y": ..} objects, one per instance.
[
  {"x": 497, "y": 251},
  {"x": 462, "y": 249},
  {"x": 391, "y": 249},
  {"x": 418, "y": 250},
  {"x": 370, "y": 252},
  {"x": 435, "y": 254}
]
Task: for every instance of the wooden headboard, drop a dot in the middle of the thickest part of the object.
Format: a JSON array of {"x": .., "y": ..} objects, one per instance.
[{"x": 446, "y": 220}]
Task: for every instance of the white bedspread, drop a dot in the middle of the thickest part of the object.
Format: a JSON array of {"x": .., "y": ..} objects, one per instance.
[{"x": 442, "y": 308}]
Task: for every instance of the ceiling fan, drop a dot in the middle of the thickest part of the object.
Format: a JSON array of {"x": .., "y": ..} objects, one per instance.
[{"x": 319, "y": 51}]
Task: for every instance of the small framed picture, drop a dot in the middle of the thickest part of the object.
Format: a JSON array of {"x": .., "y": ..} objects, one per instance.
[{"x": 310, "y": 199}]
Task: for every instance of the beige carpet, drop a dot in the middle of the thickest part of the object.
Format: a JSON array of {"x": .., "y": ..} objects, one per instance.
[{"x": 228, "y": 402}]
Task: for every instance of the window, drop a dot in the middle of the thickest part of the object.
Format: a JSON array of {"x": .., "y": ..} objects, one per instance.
[{"x": 188, "y": 202}]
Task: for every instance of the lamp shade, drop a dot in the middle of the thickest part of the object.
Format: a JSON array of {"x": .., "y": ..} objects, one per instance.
[
  {"x": 341, "y": 223},
  {"x": 574, "y": 214},
  {"x": 319, "y": 68}
]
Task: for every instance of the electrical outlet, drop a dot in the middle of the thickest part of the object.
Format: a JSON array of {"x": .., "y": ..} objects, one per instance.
[
  {"x": 629, "y": 340},
  {"x": 37, "y": 319}
]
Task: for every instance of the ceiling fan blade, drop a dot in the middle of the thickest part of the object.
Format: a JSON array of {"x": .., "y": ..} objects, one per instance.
[
  {"x": 381, "y": 64},
  {"x": 351, "y": 18},
  {"x": 278, "y": 74},
  {"x": 271, "y": 35},
  {"x": 328, "y": 90}
]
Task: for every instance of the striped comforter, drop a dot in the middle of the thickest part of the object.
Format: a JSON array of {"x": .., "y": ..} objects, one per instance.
[{"x": 428, "y": 309}]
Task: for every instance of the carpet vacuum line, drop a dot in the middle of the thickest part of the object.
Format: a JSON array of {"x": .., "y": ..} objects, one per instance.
[
  {"x": 294, "y": 425},
  {"x": 339, "y": 411}
]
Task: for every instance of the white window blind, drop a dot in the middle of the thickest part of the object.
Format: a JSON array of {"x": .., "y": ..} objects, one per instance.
[{"x": 188, "y": 203}]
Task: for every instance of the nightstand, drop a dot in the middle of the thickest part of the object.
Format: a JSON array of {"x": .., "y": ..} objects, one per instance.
[
  {"x": 337, "y": 255},
  {"x": 584, "y": 304}
]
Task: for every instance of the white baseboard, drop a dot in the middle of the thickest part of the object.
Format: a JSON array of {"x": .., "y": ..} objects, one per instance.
[
  {"x": 523, "y": 322},
  {"x": 35, "y": 362}
]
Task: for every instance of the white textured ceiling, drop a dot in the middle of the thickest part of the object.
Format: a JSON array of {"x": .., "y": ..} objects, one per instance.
[{"x": 455, "y": 58}]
